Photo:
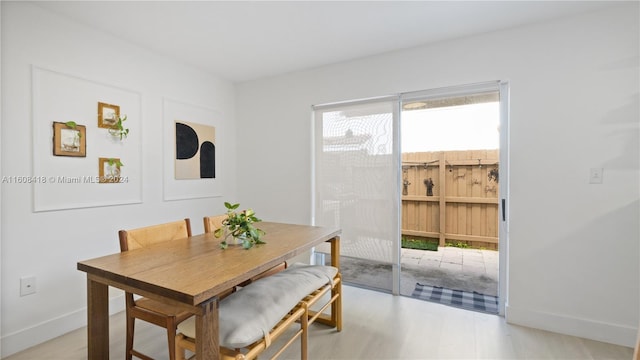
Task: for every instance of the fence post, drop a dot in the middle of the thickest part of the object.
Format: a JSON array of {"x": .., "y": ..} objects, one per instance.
[{"x": 442, "y": 204}]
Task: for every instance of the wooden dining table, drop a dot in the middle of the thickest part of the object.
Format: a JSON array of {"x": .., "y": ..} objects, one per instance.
[{"x": 191, "y": 273}]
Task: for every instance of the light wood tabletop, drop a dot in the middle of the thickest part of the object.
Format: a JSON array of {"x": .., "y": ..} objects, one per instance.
[{"x": 191, "y": 272}]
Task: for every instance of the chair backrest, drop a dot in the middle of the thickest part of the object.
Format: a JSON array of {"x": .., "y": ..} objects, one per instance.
[
  {"x": 145, "y": 236},
  {"x": 211, "y": 223}
]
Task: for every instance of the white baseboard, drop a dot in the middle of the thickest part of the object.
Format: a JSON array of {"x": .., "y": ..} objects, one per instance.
[
  {"x": 50, "y": 329},
  {"x": 589, "y": 329}
]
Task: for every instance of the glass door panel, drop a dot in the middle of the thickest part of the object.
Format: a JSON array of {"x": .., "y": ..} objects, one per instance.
[{"x": 356, "y": 186}]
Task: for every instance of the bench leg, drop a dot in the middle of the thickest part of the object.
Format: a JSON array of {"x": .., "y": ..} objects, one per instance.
[
  {"x": 304, "y": 324},
  {"x": 336, "y": 310}
]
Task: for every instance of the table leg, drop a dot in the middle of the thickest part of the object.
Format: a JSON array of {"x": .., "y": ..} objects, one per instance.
[
  {"x": 207, "y": 331},
  {"x": 97, "y": 320},
  {"x": 335, "y": 252}
]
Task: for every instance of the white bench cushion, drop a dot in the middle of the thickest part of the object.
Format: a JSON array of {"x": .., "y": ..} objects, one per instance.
[{"x": 250, "y": 313}]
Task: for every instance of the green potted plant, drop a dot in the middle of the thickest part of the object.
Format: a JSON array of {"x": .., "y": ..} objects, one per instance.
[
  {"x": 239, "y": 226},
  {"x": 118, "y": 129}
]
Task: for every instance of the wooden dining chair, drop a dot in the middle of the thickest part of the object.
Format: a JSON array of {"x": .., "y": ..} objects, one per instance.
[
  {"x": 212, "y": 223},
  {"x": 152, "y": 311}
]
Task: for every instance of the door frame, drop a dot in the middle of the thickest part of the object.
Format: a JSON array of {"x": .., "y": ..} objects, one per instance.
[{"x": 503, "y": 196}]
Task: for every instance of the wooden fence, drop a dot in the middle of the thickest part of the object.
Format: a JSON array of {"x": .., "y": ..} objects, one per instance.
[{"x": 451, "y": 196}]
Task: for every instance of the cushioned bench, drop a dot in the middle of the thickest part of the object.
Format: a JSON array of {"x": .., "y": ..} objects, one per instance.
[{"x": 251, "y": 318}]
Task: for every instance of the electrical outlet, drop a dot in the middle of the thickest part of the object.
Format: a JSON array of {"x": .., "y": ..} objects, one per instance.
[
  {"x": 27, "y": 285},
  {"x": 595, "y": 175}
]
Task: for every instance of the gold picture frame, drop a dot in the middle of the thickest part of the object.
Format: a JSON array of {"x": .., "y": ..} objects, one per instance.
[
  {"x": 108, "y": 115},
  {"x": 69, "y": 139},
  {"x": 109, "y": 170}
]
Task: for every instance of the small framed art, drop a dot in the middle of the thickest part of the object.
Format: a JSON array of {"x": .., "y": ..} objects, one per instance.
[
  {"x": 109, "y": 170},
  {"x": 69, "y": 139},
  {"x": 108, "y": 115}
]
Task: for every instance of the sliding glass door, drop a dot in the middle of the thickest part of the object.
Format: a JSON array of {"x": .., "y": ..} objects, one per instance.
[
  {"x": 359, "y": 185},
  {"x": 356, "y": 163}
]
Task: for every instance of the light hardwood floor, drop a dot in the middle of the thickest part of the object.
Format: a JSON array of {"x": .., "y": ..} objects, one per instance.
[{"x": 379, "y": 326}]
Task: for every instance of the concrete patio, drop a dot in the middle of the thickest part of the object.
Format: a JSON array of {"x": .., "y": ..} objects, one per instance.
[{"x": 449, "y": 267}]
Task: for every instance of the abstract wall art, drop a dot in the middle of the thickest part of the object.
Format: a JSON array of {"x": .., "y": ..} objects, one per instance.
[{"x": 195, "y": 151}]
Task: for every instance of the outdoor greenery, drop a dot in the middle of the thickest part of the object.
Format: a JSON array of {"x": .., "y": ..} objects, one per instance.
[
  {"x": 431, "y": 244},
  {"x": 458, "y": 245},
  {"x": 239, "y": 225},
  {"x": 419, "y": 244}
]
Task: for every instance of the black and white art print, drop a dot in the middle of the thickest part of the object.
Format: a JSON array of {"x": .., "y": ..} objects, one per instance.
[{"x": 195, "y": 151}]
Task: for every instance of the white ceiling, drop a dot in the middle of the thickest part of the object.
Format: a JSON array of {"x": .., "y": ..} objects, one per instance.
[{"x": 242, "y": 41}]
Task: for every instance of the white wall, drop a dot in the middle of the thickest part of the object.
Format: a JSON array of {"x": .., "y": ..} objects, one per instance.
[
  {"x": 49, "y": 244},
  {"x": 573, "y": 247}
]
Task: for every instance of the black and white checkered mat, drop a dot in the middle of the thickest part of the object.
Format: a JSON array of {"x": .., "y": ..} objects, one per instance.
[{"x": 458, "y": 298}]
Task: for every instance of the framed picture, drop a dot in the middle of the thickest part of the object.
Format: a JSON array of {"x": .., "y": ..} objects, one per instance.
[
  {"x": 108, "y": 115},
  {"x": 69, "y": 139},
  {"x": 109, "y": 170},
  {"x": 195, "y": 151}
]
